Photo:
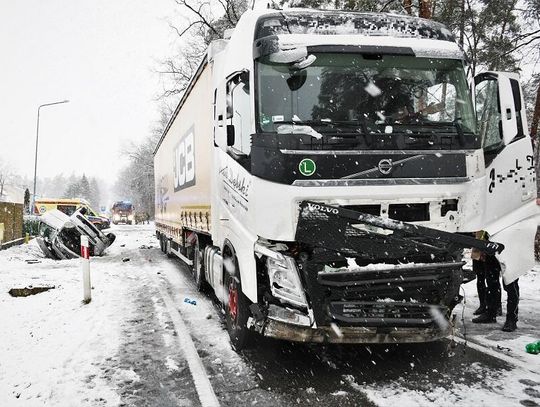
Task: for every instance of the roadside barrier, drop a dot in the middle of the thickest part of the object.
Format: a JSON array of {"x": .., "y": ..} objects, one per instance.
[{"x": 85, "y": 261}]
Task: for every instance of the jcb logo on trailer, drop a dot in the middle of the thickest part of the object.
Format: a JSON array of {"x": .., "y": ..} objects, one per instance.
[{"x": 184, "y": 162}]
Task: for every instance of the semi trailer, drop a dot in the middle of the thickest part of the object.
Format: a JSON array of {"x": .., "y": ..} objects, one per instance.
[{"x": 324, "y": 170}]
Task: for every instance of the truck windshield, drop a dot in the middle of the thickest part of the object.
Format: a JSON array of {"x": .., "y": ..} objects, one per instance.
[{"x": 374, "y": 93}]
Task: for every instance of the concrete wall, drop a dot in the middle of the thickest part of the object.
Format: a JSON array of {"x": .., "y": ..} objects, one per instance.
[{"x": 11, "y": 221}]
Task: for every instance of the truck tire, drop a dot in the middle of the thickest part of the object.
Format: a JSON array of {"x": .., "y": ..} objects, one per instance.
[
  {"x": 236, "y": 307},
  {"x": 168, "y": 249},
  {"x": 198, "y": 268},
  {"x": 162, "y": 243}
]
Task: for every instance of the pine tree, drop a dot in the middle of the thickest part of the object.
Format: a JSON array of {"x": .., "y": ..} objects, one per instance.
[
  {"x": 84, "y": 186},
  {"x": 26, "y": 201},
  {"x": 95, "y": 194}
]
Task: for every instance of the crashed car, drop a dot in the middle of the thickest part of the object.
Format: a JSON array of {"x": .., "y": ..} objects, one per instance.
[
  {"x": 60, "y": 235},
  {"x": 99, "y": 222}
]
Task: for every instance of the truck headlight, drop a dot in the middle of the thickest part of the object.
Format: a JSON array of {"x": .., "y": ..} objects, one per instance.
[
  {"x": 116, "y": 217},
  {"x": 130, "y": 217},
  {"x": 285, "y": 281}
]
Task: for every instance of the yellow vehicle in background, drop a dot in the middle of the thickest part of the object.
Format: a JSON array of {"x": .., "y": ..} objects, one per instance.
[{"x": 69, "y": 206}]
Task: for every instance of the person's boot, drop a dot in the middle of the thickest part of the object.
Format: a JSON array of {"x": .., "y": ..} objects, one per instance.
[
  {"x": 480, "y": 310},
  {"x": 510, "y": 325},
  {"x": 499, "y": 311},
  {"x": 484, "y": 318}
]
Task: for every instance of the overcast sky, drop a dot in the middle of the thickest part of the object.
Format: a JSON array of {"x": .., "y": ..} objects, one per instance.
[{"x": 99, "y": 54}]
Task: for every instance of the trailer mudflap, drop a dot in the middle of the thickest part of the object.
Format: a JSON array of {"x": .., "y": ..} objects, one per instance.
[
  {"x": 403, "y": 276},
  {"x": 369, "y": 236}
]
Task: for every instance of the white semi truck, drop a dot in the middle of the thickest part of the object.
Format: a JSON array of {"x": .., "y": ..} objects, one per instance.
[{"x": 324, "y": 170}]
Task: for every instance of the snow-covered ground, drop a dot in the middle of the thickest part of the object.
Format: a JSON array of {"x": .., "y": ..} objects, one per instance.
[
  {"x": 126, "y": 347},
  {"x": 511, "y": 344},
  {"x": 122, "y": 348}
]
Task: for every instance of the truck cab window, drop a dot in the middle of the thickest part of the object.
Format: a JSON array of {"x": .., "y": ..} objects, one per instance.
[
  {"x": 487, "y": 114},
  {"x": 239, "y": 112},
  {"x": 409, "y": 93}
]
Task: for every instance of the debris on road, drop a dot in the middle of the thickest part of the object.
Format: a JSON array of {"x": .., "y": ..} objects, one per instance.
[
  {"x": 27, "y": 291},
  {"x": 190, "y": 301},
  {"x": 533, "y": 348}
]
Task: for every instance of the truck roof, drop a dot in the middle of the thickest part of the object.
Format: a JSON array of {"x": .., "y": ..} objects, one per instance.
[{"x": 335, "y": 22}]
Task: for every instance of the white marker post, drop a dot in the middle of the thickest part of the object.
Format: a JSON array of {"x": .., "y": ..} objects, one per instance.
[{"x": 85, "y": 259}]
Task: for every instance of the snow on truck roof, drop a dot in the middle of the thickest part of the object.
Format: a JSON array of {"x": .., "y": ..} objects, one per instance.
[{"x": 321, "y": 22}]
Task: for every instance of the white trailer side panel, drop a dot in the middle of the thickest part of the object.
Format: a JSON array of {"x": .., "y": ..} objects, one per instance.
[{"x": 182, "y": 163}]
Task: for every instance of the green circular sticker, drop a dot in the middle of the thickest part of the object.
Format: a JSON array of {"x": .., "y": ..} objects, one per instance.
[{"x": 307, "y": 167}]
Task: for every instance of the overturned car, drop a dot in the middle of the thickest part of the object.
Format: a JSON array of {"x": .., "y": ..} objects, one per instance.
[{"x": 60, "y": 235}]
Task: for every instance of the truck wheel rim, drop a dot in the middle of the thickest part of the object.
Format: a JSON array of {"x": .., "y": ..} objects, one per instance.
[{"x": 233, "y": 300}]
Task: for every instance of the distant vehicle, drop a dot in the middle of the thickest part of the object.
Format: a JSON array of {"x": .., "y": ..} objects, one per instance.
[
  {"x": 69, "y": 206},
  {"x": 123, "y": 212},
  {"x": 60, "y": 235}
]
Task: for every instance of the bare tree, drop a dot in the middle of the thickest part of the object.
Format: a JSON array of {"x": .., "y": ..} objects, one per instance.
[
  {"x": 6, "y": 173},
  {"x": 204, "y": 21}
]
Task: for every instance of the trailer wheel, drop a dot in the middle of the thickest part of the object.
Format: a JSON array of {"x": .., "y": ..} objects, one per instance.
[
  {"x": 236, "y": 307},
  {"x": 198, "y": 269},
  {"x": 168, "y": 249},
  {"x": 162, "y": 243}
]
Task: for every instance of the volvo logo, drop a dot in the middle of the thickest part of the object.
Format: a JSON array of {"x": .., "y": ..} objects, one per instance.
[{"x": 385, "y": 166}]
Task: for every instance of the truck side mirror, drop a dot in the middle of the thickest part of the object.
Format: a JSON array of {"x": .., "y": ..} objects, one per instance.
[{"x": 230, "y": 135}]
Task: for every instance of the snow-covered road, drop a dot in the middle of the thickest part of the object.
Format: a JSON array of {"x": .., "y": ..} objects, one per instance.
[{"x": 131, "y": 346}]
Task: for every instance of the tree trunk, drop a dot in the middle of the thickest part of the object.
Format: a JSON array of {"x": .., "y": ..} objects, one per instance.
[
  {"x": 407, "y": 5},
  {"x": 425, "y": 9},
  {"x": 462, "y": 24},
  {"x": 536, "y": 118}
]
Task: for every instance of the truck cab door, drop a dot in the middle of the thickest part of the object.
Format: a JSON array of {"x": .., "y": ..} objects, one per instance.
[{"x": 508, "y": 153}]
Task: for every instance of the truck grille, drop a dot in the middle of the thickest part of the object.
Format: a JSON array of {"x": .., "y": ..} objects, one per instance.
[
  {"x": 384, "y": 313},
  {"x": 399, "y": 296}
]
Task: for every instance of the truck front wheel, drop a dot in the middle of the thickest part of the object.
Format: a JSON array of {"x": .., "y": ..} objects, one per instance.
[{"x": 236, "y": 307}]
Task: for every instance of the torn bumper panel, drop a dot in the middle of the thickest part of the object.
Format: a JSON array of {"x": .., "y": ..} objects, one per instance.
[{"x": 347, "y": 334}]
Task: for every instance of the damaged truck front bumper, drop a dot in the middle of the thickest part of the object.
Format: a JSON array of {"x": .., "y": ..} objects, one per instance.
[
  {"x": 292, "y": 325},
  {"x": 281, "y": 330},
  {"x": 366, "y": 279}
]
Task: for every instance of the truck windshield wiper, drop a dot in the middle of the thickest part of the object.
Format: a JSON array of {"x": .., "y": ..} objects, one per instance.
[
  {"x": 306, "y": 123},
  {"x": 334, "y": 124},
  {"x": 456, "y": 124}
]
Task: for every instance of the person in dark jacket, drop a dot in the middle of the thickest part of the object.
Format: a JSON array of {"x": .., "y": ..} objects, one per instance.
[{"x": 488, "y": 270}]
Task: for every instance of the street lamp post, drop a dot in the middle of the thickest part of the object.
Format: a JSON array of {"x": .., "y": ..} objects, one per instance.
[{"x": 37, "y": 139}]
